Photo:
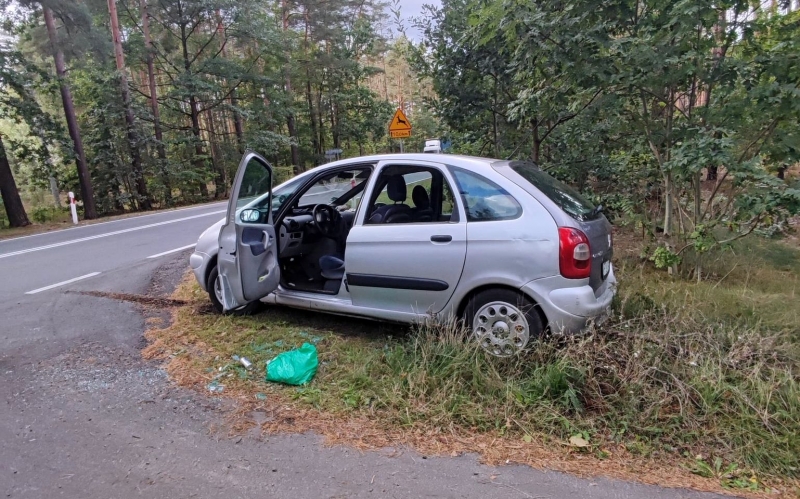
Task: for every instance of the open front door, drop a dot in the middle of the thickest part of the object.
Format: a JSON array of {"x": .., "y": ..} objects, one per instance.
[{"x": 248, "y": 250}]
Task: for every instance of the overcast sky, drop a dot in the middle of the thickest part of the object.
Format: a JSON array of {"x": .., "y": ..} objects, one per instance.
[{"x": 413, "y": 8}]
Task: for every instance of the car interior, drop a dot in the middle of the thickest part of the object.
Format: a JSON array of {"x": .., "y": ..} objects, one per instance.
[{"x": 313, "y": 231}]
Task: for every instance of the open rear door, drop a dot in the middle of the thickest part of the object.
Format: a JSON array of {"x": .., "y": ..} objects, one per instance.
[{"x": 248, "y": 250}]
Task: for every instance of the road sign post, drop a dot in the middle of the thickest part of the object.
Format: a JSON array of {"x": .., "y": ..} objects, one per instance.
[{"x": 333, "y": 154}]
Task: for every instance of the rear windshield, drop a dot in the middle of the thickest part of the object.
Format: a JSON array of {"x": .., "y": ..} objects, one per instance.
[{"x": 564, "y": 196}]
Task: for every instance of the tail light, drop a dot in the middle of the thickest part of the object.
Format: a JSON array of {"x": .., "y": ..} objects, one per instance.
[{"x": 574, "y": 253}]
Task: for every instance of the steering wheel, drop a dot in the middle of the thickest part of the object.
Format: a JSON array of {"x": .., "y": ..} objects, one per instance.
[{"x": 326, "y": 219}]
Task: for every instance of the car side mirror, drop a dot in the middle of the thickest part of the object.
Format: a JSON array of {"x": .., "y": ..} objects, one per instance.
[{"x": 249, "y": 216}]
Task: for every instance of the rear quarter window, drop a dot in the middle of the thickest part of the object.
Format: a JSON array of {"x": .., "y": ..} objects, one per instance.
[
  {"x": 484, "y": 200},
  {"x": 565, "y": 197}
]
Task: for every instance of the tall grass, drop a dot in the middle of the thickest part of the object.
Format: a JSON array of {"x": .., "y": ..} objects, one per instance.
[
  {"x": 710, "y": 368},
  {"x": 684, "y": 368},
  {"x": 660, "y": 380}
]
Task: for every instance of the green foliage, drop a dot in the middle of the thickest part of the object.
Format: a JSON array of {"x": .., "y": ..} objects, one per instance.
[
  {"x": 664, "y": 258},
  {"x": 287, "y": 79},
  {"x": 44, "y": 214},
  {"x": 636, "y": 102}
]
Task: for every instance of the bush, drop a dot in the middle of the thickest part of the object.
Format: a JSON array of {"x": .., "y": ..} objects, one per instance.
[
  {"x": 45, "y": 214},
  {"x": 3, "y": 217}
]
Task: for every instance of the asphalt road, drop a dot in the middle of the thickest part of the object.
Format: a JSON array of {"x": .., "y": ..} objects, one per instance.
[
  {"x": 84, "y": 416},
  {"x": 34, "y": 262}
]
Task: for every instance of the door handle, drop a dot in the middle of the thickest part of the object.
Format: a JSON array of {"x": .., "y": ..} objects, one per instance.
[{"x": 441, "y": 239}]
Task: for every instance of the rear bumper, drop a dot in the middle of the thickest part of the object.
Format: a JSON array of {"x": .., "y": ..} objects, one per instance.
[
  {"x": 199, "y": 261},
  {"x": 569, "y": 310}
]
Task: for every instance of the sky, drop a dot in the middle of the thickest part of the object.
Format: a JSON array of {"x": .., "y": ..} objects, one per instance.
[{"x": 413, "y": 8}]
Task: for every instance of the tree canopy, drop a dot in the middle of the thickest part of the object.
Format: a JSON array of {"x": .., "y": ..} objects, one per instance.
[{"x": 161, "y": 98}]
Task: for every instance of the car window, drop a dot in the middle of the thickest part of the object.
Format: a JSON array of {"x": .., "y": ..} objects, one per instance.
[
  {"x": 448, "y": 201},
  {"x": 428, "y": 197},
  {"x": 255, "y": 185},
  {"x": 483, "y": 199},
  {"x": 567, "y": 198},
  {"x": 330, "y": 188},
  {"x": 284, "y": 192}
]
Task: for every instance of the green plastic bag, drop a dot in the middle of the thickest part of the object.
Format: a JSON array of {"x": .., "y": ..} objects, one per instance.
[{"x": 295, "y": 367}]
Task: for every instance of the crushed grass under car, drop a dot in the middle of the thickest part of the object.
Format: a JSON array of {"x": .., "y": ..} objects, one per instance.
[{"x": 688, "y": 384}]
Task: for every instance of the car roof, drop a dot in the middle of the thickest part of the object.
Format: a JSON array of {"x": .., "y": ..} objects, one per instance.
[{"x": 468, "y": 162}]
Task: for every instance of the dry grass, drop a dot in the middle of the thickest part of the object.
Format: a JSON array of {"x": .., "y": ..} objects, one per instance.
[{"x": 684, "y": 370}]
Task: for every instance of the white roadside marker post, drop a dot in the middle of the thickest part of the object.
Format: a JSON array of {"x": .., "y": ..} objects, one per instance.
[{"x": 73, "y": 207}]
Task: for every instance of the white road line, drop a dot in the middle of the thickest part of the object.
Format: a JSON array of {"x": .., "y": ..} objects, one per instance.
[
  {"x": 62, "y": 283},
  {"x": 173, "y": 250},
  {"x": 128, "y": 219},
  {"x": 107, "y": 234}
]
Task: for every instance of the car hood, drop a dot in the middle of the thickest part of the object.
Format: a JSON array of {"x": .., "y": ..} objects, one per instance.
[{"x": 208, "y": 242}]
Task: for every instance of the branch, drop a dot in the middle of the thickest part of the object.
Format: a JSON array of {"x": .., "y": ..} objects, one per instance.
[
  {"x": 203, "y": 48},
  {"x": 565, "y": 119}
]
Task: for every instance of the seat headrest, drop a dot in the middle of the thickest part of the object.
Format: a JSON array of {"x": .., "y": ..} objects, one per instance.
[
  {"x": 396, "y": 188},
  {"x": 420, "y": 197}
]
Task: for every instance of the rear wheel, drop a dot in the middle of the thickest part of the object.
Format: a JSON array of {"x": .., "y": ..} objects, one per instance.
[
  {"x": 503, "y": 322},
  {"x": 215, "y": 294}
]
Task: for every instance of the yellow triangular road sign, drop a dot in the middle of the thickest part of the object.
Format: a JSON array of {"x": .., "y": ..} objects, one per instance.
[{"x": 399, "y": 122}]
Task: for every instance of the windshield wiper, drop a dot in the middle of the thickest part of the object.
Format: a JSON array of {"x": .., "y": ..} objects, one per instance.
[{"x": 595, "y": 211}]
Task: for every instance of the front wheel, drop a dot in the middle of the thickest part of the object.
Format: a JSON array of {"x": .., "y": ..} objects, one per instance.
[
  {"x": 214, "y": 287},
  {"x": 502, "y": 321}
]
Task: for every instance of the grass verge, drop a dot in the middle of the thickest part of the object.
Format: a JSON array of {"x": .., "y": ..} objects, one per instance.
[{"x": 688, "y": 385}]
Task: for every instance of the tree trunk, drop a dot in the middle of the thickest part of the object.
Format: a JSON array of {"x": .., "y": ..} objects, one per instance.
[
  {"x": 151, "y": 80},
  {"x": 130, "y": 120},
  {"x": 312, "y": 115},
  {"x": 337, "y": 142},
  {"x": 237, "y": 116},
  {"x": 494, "y": 123},
  {"x": 320, "y": 123},
  {"x": 537, "y": 143},
  {"x": 237, "y": 122},
  {"x": 194, "y": 115},
  {"x": 667, "y": 204},
  {"x": 199, "y": 162},
  {"x": 8, "y": 191},
  {"x": 87, "y": 192},
  {"x": 717, "y": 52},
  {"x": 291, "y": 126},
  {"x": 219, "y": 172}
]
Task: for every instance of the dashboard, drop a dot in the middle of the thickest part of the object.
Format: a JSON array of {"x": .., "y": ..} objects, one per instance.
[{"x": 297, "y": 232}]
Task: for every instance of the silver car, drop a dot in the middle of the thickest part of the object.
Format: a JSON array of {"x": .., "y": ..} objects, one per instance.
[{"x": 406, "y": 237}]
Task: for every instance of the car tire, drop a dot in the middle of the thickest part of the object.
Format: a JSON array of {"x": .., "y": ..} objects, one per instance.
[
  {"x": 249, "y": 309},
  {"x": 502, "y": 321}
]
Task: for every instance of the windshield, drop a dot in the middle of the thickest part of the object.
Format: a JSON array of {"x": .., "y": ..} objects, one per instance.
[
  {"x": 567, "y": 198},
  {"x": 279, "y": 196},
  {"x": 284, "y": 192}
]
